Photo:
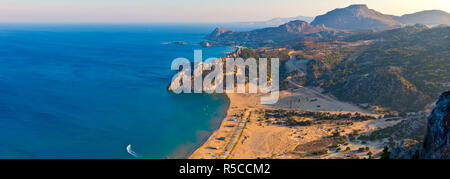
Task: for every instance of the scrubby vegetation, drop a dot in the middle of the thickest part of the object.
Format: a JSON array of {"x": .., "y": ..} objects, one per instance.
[
  {"x": 403, "y": 69},
  {"x": 291, "y": 118},
  {"x": 413, "y": 128},
  {"x": 386, "y": 154},
  {"x": 281, "y": 54}
]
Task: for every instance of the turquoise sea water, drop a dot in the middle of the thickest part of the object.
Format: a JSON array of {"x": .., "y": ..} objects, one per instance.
[{"x": 89, "y": 91}]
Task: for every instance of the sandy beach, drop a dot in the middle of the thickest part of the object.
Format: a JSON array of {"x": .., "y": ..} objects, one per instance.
[{"x": 243, "y": 134}]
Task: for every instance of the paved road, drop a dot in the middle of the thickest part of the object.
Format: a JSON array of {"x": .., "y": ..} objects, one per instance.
[{"x": 236, "y": 136}]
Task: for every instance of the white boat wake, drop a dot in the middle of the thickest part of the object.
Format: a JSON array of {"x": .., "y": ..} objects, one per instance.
[{"x": 133, "y": 153}]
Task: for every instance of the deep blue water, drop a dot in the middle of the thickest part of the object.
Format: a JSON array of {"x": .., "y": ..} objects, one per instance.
[{"x": 88, "y": 91}]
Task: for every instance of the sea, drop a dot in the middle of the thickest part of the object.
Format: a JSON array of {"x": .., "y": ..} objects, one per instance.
[{"x": 100, "y": 91}]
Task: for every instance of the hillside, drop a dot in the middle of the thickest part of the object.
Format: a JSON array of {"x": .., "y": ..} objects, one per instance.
[{"x": 403, "y": 69}]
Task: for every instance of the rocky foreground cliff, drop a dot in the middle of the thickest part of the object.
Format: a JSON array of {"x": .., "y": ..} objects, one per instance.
[
  {"x": 436, "y": 143},
  {"x": 437, "y": 140}
]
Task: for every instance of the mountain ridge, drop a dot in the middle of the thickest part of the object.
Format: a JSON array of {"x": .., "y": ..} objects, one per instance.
[
  {"x": 356, "y": 17},
  {"x": 359, "y": 17},
  {"x": 277, "y": 21},
  {"x": 340, "y": 21},
  {"x": 270, "y": 35},
  {"x": 427, "y": 17}
]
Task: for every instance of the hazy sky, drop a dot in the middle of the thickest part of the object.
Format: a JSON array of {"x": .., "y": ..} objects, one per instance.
[{"x": 191, "y": 10}]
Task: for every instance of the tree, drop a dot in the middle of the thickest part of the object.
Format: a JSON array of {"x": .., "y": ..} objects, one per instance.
[
  {"x": 370, "y": 154},
  {"x": 416, "y": 155},
  {"x": 386, "y": 154}
]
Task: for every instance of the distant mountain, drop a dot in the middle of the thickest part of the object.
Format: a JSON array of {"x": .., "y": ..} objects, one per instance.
[
  {"x": 356, "y": 18},
  {"x": 360, "y": 18},
  {"x": 274, "y": 22},
  {"x": 252, "y": 25},
  {"x": 288, "y": 31},
  {"x": 431, "y": 17}
]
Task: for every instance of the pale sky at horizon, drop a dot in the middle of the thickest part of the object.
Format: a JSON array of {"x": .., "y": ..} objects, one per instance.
[{"x": 192, "y": 10}]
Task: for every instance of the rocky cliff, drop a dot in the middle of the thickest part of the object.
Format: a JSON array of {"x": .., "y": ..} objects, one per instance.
[
  {"x": 219, "y": 32},
  {"x": 436, "y": 143}
]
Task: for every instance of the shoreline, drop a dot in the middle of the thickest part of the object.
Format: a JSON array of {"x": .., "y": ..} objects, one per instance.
[
  {"x": 227, "y": 129},
  {"x": 221, "y": 124},
  {"x": 218, "y": 124},
  {"x": 206, "y": 138}
]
